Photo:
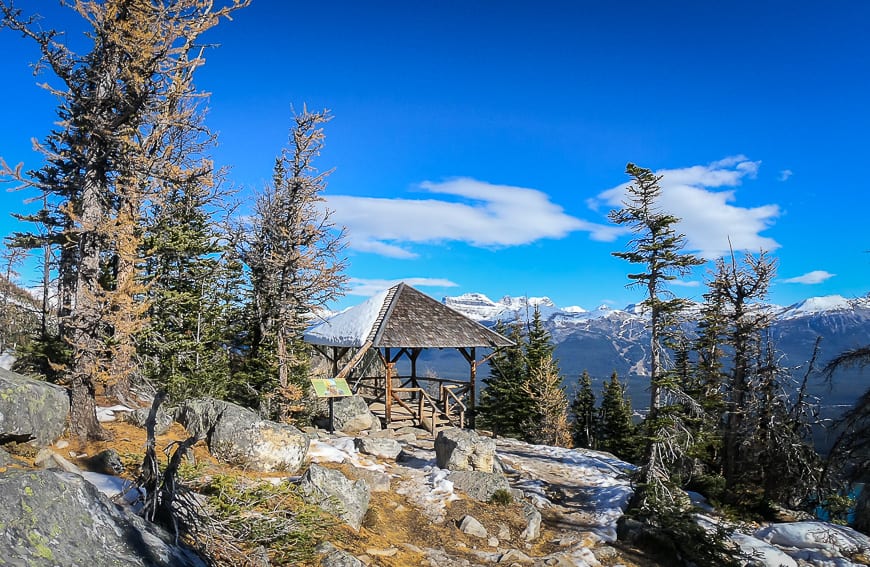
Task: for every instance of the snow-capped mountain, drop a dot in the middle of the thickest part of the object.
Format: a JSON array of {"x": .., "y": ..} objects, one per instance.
[
  {"x": 604, "y": 340},
  {"x": 481, "y": 308}
]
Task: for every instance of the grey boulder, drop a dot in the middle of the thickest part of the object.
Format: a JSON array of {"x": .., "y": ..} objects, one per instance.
[
  {"x": 381, "y": 447},
  {"x": 464, "y": 450},
  {"x": 331, "y": 556},
  {"x": 335, "y": 493},
  {"x": 238, "y": 436},
  {"x": 352, "y": 415},
  {"x": 31, "y": 410},
  {"x": 49, "y": 519},
  {"x": 139, "y": 416}
]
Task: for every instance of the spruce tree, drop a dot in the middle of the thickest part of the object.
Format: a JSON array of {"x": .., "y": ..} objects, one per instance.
[
  {"x": 616, "y": 431},
  {"x": 585, "y": 422},
  {"x": 539, "y": 344},
  {"x": 741, "y": 289},
  {"x": 186, "y": 347},
  {"x": 503, "y": 407},
  {"x": 657, "y": 247}
]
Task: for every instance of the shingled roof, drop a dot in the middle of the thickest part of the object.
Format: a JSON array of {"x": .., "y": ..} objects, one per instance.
[{"x": 403, "y": 317}]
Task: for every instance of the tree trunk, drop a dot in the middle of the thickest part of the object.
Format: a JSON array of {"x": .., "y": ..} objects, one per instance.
[
  {"x": 85, "y": 324},
  {"x": 83, "y": 411}
]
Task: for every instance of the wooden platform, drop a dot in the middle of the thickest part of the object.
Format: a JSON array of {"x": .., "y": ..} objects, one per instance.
[{"x": 401, "y": 417}]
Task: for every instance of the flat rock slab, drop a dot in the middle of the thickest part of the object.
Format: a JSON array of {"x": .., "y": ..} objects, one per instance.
[
  {"x": 381, "y": 447},
  {"x": 49, "y": 519},
  {"x": 479, "y": 485}
]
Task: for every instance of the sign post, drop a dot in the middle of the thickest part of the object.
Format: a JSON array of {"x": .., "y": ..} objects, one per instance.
[{"x": 331, "y": 388}]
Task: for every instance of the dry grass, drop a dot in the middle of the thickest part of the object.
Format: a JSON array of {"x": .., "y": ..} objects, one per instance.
[{"x": 392, "y": 523}]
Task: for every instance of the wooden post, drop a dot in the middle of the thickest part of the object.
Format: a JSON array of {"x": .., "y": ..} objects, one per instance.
[
  {"x": 388, "y": 392},
  {"x": 472, "y": 390},
  {"x": 332, "y": 415},
  {"x": 413, "y": 357}
]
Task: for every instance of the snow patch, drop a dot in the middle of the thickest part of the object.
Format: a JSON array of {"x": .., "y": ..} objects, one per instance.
[
  {"x": 350, "y": 327},
  {"x": 105, "y": 414},
  {"x": 116, "y": 488},
  {"x": 6, "y": 361}
]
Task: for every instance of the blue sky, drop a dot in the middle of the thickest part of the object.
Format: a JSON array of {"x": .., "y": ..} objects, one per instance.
[{"x": 478, "y": 146}]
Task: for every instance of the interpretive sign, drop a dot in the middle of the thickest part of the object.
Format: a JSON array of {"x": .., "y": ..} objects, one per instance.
[{"x": 331, "y": 387}]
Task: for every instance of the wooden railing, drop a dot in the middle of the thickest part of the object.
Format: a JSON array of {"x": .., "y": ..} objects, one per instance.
[
  {"x": 448, "y": 394},
  {"x": 427, "y": 412},
  {"x": 450, "y": 406}
]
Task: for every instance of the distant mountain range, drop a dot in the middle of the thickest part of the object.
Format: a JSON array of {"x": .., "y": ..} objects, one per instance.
[{"x": 604, "y": 339}]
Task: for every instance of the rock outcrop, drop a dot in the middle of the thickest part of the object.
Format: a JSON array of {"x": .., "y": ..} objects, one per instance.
[
  {"x": 381, "y": 447},
  {"x": 335, "y": 493},
  {"x": 331, "y": 556},
  {"x": 479, "y": 485},
  {"x": 30, "y": 410},
  {"x": 49, "y": 519},
  {"x": 464, "y": 450},
  {"x": 352, "y": 415},
  {"x": 238, "y": 436},
  {"x": 139, "y": 416}
]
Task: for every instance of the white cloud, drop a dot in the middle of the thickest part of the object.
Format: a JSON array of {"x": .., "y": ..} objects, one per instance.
[
  {"x": 684, "y": 283},
  {"x": 785, "y": 174},
  {"x": 810, "y": 278},
  {"x": 707, "y": 216},
  {"x": 369, "y": 287},
  {"x": 476, "y": 212}
]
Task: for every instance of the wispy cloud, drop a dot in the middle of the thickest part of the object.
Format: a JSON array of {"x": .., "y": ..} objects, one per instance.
[
  {"x": 810, "y": 278},
  {"x": 684, "y": 283},
  {"x": 368, "y": 287},
  {"x": 785, "y": 174},
  {"x": 476, "y": 212},
  {"x": 709, "y": 219}
]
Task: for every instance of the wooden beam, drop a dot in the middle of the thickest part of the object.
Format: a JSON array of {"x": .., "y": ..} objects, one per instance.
[
  {"x": 354, "y": 361},
  {"x": 402, "y": 351},
  {"x": 388, "y": 398},
  {"x": 415, "y": 352},
  {"x": 472, "y": 387}
]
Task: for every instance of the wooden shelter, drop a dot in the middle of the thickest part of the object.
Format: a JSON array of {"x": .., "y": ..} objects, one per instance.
[{"x": 364, "y": 343}]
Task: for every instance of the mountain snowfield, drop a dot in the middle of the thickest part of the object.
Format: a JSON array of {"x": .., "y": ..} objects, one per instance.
[
  {"x": 604, "y": 340},
  {"x": 484, "y": 310}
]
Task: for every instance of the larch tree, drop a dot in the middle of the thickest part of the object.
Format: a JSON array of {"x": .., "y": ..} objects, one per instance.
[
  {"x": 548, "y": 424},
  {"x": 126, "y": 109},
  {"x": 657, "y": 247},
  {"x": 585, "y": 422},
  {"x": 293, "y": 252}
]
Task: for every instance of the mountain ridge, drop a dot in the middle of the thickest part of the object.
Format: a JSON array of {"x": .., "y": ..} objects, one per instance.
[{"x": 605, "y": 340}]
